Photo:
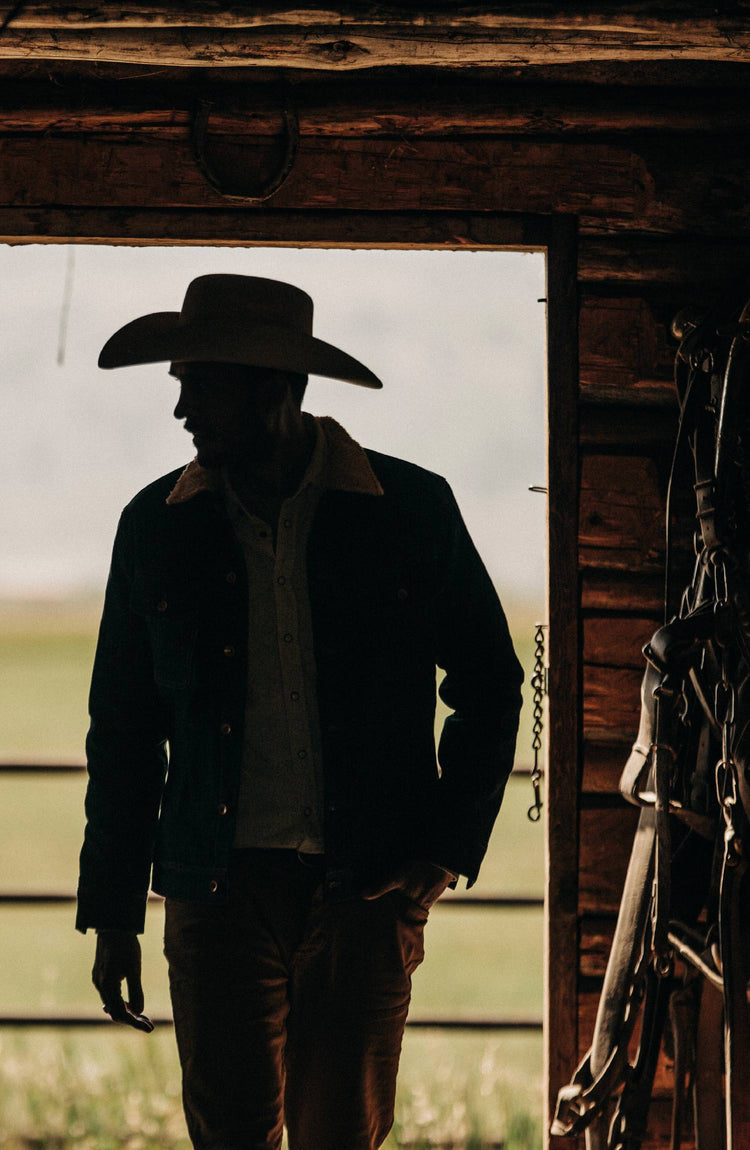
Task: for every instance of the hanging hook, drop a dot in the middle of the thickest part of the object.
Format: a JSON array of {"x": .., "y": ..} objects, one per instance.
[{"x": 199, "y": 132}]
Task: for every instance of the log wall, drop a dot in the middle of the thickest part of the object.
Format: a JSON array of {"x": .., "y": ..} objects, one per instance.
[{"x": 639, "y": 189}]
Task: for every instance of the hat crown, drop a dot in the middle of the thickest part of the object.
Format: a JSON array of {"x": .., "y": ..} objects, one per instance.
[
  {"x": 236, "y": 319},
  {"x": 232, "y": 299}
]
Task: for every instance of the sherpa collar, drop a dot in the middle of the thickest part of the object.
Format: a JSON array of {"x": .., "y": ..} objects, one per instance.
[{"x": 347, "y": 468}]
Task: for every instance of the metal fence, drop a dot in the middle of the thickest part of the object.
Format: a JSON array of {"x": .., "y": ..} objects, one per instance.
[{"x": 458, "y": 902}]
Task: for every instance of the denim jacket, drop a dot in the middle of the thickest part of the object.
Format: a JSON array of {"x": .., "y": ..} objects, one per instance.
[{"x": 396, "y": 589}]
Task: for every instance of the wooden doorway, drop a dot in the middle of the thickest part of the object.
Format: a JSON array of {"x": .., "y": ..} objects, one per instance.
[{"x": 556, "y": 237}]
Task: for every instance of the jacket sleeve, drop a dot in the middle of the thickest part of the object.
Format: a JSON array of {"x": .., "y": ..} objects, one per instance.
[
  {"x": 126, "y": 752},
  {"x": 482, "y": 687}
]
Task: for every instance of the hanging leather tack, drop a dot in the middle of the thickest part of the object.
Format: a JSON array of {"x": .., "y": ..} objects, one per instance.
[{"x": 198, "y": 138}]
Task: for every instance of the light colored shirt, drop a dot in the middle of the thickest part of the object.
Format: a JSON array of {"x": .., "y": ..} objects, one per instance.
[
  {"x": 281, "y": 783},
  {"x": 281, "y": 790}
]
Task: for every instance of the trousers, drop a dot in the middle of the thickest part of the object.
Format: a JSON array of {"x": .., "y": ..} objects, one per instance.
[{"x": 290, "y": 1010}]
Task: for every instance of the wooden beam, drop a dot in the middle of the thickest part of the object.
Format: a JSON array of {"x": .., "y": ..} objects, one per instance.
[
  {"x": 237, "y": 227},
  {"x": 611, "y": 703},
  {"x": 603, "y": 764},
  {"x": 623, "y": 425},
  {"x": 621, "y": 525},
  {"x": 639, "y": 17},
  {"x": 626, "y": 352},
  {"x": 691, "y": 266},
  {"x": 357, "y": 36},
  {"x": 407, "y": 104},
  {"x": 609, "y": 590},
  {"x": 563, "y": 717},
  {"x": 612, "y": 641},
  {"x": 606, "y": 843},
  {"x": 371, "y": 173},
  {"x": 612, "y": 187}
]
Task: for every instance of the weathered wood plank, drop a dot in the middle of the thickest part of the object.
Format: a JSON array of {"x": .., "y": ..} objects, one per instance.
[
  {"x": 372, "y": 174},
  {"x": 561, "y": 959},
  {"x": 606, "y": 838},
  {"x": 611, "y": 590},
  {"x": 616, "y": 642},
  {"x": 603, "y": 764},
  {"x": 621, "y": 524},
  {"x": 663, "y": 76},
  {"x": 607, "y": 185},
  {"x": 695, "y": 267},
  {"x": 238, "y": 226},
  {"x": 640, "y": 16},
  {"x": 626, "y": 352},
  {"x": 611, "y": 703},
  {"x": 352, "y": 37},
  {"x": 595, "y": 943},
  {"x": 410, "y": 104},
  {"x": 621, "y": 426}
]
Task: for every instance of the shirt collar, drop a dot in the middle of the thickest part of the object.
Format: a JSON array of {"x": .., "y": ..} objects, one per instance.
[{"x": 338, "y": 463}]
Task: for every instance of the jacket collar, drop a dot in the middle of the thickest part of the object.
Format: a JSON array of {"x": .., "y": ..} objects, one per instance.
[{"x": 347, "y": 468}]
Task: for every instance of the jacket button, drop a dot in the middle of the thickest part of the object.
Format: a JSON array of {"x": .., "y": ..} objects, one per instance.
[
  {"x": 225, "y": 729},
  {"x": 213, "y": 886},
  {"x": 402, "y": 594},
  {"x": 162, "y": 605},
  {"x": 231, "y": 576},
  {"x": 229, "y": 652},
  {"x": 222, "y": 808}
]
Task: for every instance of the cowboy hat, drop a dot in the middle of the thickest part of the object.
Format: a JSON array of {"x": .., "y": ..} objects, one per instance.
[{"x": 236, "y": 319}]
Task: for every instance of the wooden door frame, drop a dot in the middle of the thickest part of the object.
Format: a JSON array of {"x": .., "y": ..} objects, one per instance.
[{"x": 557, "y": 237}]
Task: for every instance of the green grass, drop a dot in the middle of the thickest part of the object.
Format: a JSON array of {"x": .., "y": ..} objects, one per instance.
[
  {"x": 113, "y": 1088},
  {"x": 109, "y": 1089},
  {"x": 46, "y": 654}
]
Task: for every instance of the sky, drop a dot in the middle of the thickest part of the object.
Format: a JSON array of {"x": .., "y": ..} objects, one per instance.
[{"x": 458, "y": 339}]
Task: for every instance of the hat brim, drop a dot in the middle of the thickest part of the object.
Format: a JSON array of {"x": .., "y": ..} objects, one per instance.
[{"x": 161, "y": 338}]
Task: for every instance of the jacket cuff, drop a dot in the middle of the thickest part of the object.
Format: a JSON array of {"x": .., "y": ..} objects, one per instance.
[{"x": 114, "y": 914}]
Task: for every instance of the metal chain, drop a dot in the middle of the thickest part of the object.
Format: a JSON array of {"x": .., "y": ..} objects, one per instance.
[
  {"x": 534, "y": 813},
  {"x": 724, "y": 712}
]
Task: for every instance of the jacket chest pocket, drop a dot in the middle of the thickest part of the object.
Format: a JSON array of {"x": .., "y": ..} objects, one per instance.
[{"x": 172, "y": 612}]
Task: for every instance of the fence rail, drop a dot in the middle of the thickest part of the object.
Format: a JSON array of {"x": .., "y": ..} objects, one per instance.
[
  {"x": 51, "y": 898},
  {"x": 78, "y": 768},
  {"x": 438, "y": 1023},
  {"x": 506, "y": 902}
]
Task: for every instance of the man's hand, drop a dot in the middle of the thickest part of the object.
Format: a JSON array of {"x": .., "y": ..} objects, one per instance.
[
  {"x": 421, "y": 881},
  {"x": 118, "y": 957}
]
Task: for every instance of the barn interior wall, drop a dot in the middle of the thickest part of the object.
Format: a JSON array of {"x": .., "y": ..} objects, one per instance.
[{"x": 650, "y": 164}]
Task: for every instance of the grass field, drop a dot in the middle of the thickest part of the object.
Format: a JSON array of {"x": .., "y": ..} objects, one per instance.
[{"x": 110, "y": 1087}]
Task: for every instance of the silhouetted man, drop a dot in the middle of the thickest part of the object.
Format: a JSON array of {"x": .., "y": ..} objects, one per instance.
[{"x": 261, "y": 745}]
